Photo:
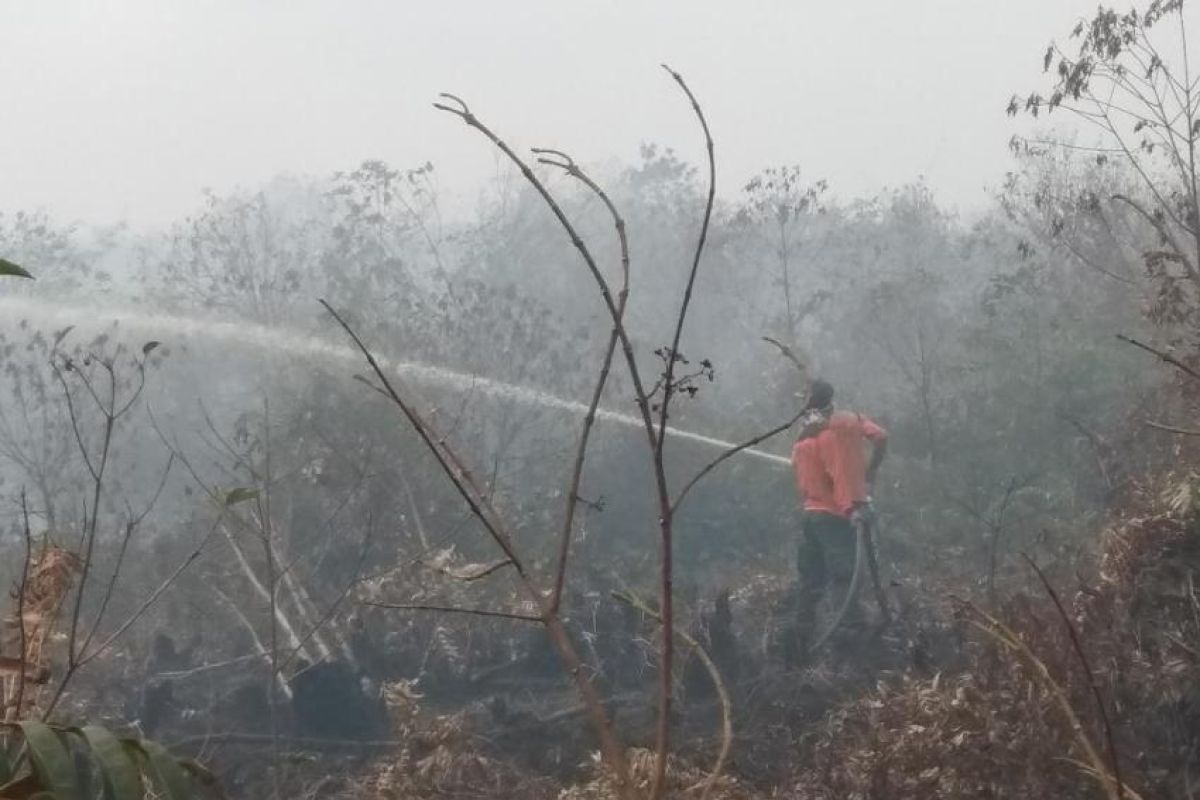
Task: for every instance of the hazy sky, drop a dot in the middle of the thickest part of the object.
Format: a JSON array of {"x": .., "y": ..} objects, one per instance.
[{"x": 125, "y": 110}]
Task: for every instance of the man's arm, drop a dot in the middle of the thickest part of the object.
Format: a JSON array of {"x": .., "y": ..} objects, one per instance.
[{"x": 879, "y": 439}]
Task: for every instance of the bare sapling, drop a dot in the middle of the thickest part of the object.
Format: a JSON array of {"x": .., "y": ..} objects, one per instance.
[
  {"x": 100, "y": 397},
  {"x": 653, "y": 402}
]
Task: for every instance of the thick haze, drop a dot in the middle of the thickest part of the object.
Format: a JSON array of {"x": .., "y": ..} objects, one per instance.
[{"x": 125, "y": 110}]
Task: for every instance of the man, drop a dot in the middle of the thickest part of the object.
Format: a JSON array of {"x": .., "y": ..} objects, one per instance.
[{"x": 833, "y": 477}]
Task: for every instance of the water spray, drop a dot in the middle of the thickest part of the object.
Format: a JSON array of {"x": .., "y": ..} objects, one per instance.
[{"x": 289, "y": 341}]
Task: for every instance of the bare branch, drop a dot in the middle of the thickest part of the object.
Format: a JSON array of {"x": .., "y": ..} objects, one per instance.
[
  {"x": 475, "y": 501},
  {"x": 479, "y": 573},
  {"x": 464, "y": 113},
  {"x": 1162, "y": 426},
  {"x": 1091, "y": 676},
  {"x": 22, "y": 593},
  {"x": 733, "y": 451},
  {"x": 611, "y": 748},
  {"x": 566, "y": 163},
  {"x": 728, "y": 454},
  {"x": 666, "y": 569},
  {"x": 629, "y": 599},
  {"x": 478, "y": 612},
  {"x": 1007, "y": 637},
  {"x": 1163, "y": 355},
  {"x": 1163, "y": 231},
  {"x": 166, "y": 584}
]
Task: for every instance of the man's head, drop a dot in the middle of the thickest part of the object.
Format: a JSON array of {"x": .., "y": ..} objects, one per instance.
[{"x": 820, "y": 395}]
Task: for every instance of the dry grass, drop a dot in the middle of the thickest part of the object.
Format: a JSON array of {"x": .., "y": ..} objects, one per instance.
[
  {"x": 35, "y": 605},
  {"x": 1027, "y": 725}
]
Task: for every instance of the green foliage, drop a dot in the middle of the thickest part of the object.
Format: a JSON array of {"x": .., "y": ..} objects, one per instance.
[
  {"x": 64, "y": 763},
  {"x": 9, "y": 268},
  {"x": 239, "y": 495}
]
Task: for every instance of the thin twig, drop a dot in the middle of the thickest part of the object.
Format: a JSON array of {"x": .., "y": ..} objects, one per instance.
[
  {"x": 239, "y": 738},
  {"x": 730, "y": 453},
  {"x": 790, "y": 356},
  {"x": 1162, "y": 354},
  {"x": 1093, "y": 684},
  {"x": 563, "y": 161},
  {"x": 662, "y": 744},
  {"x": 477, "y": 612},
  {"x": 21, "y": 598},
  {"x": 167, "y": 583},
  {"x": 446, "y": 460},
  {"x": 1004, "y": 635},
  {"x": 481, "y": 507},
  {"x": 181, "y": 674},
  {"x": 131, "y": 526},
  {"x": 629, "y": 599},
  {"x": 463, "y": 112},
  {"x": 315, "y": 627},
  {"x": 1162, "y": 426}
]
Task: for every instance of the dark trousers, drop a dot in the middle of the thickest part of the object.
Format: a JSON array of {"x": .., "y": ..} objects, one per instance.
[{"x": 826, "y": 562}]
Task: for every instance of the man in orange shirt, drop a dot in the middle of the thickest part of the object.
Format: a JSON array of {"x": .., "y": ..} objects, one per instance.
[{"x": 833, "y": 477}]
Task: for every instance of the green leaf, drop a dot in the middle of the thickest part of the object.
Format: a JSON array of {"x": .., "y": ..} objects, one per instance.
[
  {"x": 122, "y": 781},
  {"x": 148, "y": 346},
  {"x": 169, "y": 779},
  {"x": 52, "y": 762},
  {"x": 239, "y": 495},
  {"x": 9, "y": 268}
]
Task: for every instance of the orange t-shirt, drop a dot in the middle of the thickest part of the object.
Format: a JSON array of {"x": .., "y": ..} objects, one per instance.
[{"x": 831, "y": 470}]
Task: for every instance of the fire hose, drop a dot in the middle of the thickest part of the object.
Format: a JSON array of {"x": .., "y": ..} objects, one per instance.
[{"x": 866, "y": 523}]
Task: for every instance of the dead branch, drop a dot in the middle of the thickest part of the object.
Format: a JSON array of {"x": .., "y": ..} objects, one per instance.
[
  {"x": 566, "y": 163},
  {"x": 459, "y": 108},
  {"x": 1001, "y": 633},
  {"x": 1162, "y": 355},
  {"x": 1093, "y": 684},
  {"x": 789, "y": 355},
  {"x": 15, "y": 708},
  {"x": 477, "y": 612},
  {"x": 1163, "y": 231},
  {"x": 718, "y": 683},
  {"x": 482, "y": 509},
  {"x": 130, "y": 526},
  {"x": 167, "y": 583},
  {"x": 762, "y": 437},
  {"x": 471, "y": 572},
  {"x": 449, "y": 463},
  {"x": 263, "y": 652},
  {"x": 1162, "y": 426},
  {"x": 463, "y": 112},
  {"x": 1102, "y": 449},
  {"x": 202, "y": 669},
  {"x": 730, "y": 453},
  {"x": 666, "y": 569},
  {"x": 280, "y": 619},
  {"x": 243, "y": 739},
  {"x": 337, "y": 602}
]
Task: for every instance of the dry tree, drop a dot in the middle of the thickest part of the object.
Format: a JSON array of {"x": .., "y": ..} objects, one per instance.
[{"x": 653, "y": 400}]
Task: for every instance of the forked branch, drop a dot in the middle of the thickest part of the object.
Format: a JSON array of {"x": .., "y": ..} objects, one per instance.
[
  {"x": 666, "y": 568},
  {"x": 557, "y": 158},
  {"x": 481, "y": 508}
]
